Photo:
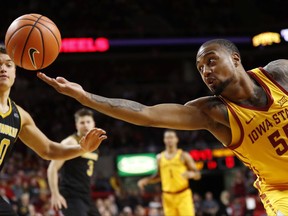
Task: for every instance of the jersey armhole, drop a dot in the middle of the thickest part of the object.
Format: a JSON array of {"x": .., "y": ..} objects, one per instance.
[{"x": 238, "y": 132}]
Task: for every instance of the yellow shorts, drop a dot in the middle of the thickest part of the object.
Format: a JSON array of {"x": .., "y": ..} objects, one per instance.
[
  {"x": 180, "y": 204},
  {"x": 275, "y": 201}
]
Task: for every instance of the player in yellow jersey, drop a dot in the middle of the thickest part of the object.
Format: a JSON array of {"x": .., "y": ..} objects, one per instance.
[
  {"x": 248, "y": 113},
  {"x": 175, "y": 168}
]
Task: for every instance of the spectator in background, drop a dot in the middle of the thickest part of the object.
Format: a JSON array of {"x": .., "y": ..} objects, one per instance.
[
  {"x": 238, "y": 186},
  {"x": 111, "y": 205},
  {"x": 224, "y": 204},
  {"x": 139, "y": 211},
  {"x": 197, "y": 204},
  {"x": 210, "y": 206},
  {"x": 24, "y": 207},
  {"x": 127, "y": 211}
]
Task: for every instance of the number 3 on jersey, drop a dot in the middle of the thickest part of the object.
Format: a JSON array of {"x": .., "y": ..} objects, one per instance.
[
  {"x": 90, "y": 167},
  {"x": 4, "y": 144}
]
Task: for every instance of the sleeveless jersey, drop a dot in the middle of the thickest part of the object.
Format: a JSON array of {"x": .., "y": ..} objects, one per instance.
[
  {"x": 76, "y": 173},
  {"x": 171, "y": 171},
  {"x": 259, "y": 135},
  {"x": 10, "y": 125}
]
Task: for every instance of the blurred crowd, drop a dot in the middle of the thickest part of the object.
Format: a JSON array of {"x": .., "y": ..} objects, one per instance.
[{"x": 23, "y": 183}]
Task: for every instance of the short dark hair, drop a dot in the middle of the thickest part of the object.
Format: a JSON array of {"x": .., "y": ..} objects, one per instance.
[
  {"x": 3, "y": 49},
  {"x": 83, "y": 112},
  {"x": 170, "y": 131},
  {"x": 227, "y": 44}
]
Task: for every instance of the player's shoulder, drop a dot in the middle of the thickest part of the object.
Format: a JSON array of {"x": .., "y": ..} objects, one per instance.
[
  {"x": 185, "y": 154},
  {"x": 208, "y": 103},
  {"x": 277, "y": 67},
  {"x": 203, "y": 101},
  {"x": 25, "y": 116}
]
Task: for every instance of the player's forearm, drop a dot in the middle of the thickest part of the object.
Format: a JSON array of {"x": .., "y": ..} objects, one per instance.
[
  {"x": 153, "y": 179},
  {"x": 52, "y": 175},
  {"x": 126, "y": 110},
  {"x": 64, "y": 152},
  {"x": 196, "y": 175}
]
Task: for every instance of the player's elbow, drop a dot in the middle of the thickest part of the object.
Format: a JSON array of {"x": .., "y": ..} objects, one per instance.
[
  {"x": 47, "y": 153},
  {"x": 44, "y": 155},
  {"x": 145, "y": 117},
  {"x": 150, "y": 117}
]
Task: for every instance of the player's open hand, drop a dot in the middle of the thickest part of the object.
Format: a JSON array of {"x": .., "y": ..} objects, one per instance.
[
  {"x": 142, "y": 183},
  {"x": 188, "y": 175},
  {"x": 93, "y": 139},
  {"x": 58, "y": 201},
  {"x": 63, "y": 86}
]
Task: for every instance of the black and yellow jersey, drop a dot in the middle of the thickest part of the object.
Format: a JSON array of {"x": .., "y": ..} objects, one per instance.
[
  {"x": 10, "y": 125},
  {"x": 76, "y": 173}
]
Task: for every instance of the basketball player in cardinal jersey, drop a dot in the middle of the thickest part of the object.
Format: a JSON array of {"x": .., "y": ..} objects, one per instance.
[
  {"x": 175, "y": 168},
  {"x": 248, "y": 113}
]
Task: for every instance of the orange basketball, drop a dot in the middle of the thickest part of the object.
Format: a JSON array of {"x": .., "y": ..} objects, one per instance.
[{"x": 33, "y": 41}]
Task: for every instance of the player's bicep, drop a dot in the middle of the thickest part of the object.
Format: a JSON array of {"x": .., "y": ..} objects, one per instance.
[
  {"x": 31, "y": 136},
  {"x": 190, "y": 163},
  {"x": 177, "y": 116},
  {"x": 158, "y": 158}
]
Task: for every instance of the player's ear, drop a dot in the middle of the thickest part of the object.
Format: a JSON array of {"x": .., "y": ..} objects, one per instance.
[{"x": 236, "y": 59}]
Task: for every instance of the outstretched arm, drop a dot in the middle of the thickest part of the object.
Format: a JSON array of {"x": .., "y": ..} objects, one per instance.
[
  {"x": 155, "y": 178},
  {"x": 47, "y": 149},
  {"x": 163, "y": 115}
]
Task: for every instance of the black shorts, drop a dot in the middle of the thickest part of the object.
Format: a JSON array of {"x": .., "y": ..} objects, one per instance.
[
  {"x": 6, "y": 209},
  {"x": 79, "y": 207}
]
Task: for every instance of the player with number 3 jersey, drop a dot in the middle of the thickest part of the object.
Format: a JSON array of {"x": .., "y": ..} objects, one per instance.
[{"x": 73, "y": 196}]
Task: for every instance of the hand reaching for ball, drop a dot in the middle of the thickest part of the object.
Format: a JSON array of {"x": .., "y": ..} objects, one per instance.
[
  {"x": 91, "y": 141},
  {"x": 63, "y": 86}
]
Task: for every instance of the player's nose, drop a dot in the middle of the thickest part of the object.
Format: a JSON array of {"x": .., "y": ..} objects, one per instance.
[
  {"x": 206, "y": 71},
  {"x": 2, "y": 68}
]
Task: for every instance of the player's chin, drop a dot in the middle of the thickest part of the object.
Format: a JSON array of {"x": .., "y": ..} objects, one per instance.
[
  {"x": 85, "y": 132},
  {"x": 5, "y": 84}
]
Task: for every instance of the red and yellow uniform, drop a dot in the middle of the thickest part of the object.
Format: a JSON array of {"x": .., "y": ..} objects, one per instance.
[
  {"x": 177, "y": 196},
  {"x": 260, "y": 140}
]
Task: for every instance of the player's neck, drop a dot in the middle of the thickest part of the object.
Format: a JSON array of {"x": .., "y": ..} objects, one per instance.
[
  {"x": 4, "y": 106},
  {"x": 171, "y": 150},
  {"x": 240, "y": 89},
  {"x": 79, "y": 134}
]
